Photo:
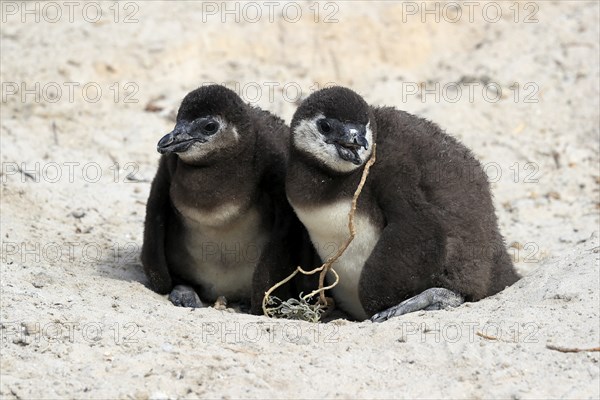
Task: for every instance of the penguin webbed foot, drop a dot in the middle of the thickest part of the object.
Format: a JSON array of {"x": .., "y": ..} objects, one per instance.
[
  {"x": 185, "y": 296},
  {"x": 428, "y": 300}
]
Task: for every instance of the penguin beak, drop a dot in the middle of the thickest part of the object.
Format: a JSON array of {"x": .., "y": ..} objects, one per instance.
[
  {"x": 349, "y": 141},
  {"x": 179, "y": 140}
]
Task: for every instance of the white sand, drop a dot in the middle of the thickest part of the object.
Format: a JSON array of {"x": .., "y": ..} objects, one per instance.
[{"x": 76, "y": 318}]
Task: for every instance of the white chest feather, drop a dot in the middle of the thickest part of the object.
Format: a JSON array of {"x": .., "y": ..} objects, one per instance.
[
  {"x": 328, "y": 229},
  {"x": 224, "y": 246}
]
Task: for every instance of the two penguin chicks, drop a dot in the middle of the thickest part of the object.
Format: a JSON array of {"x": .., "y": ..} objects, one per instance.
[{"x": 239, "y": 200}]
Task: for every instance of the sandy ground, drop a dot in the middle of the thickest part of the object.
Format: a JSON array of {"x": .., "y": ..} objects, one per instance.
[{"x": 85, "y": 97}]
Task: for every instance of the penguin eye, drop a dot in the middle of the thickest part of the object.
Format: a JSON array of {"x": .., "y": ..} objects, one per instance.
[
  {"x": 324, "y": 126},
  {"x": 211, "y": 127}
]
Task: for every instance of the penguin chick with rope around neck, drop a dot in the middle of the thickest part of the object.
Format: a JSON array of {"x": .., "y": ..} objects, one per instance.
[
  {"x": 427, "y": 236},
  {"x": 217, "y": 220}
]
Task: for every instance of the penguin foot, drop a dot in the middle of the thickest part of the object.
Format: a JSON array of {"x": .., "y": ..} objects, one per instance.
[
  {"x": 185, "y": 296},
  {"x": 430, "y": 299}
]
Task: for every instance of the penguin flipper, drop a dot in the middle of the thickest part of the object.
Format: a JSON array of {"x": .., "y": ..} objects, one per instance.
[
  {"x": 271, "y": 269},
  {"x": 158, "y": 214},
  {"x": 430, "y": 299},
  {"x": 276, "y": 260}
]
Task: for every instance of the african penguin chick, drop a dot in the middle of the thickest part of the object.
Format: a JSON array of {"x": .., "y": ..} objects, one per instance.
[
  {"x": 427, "y": 236},
  {"x": 217, "y": 219}
]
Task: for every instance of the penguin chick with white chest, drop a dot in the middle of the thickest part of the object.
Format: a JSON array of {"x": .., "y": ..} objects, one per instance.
[
  {"x": 217, "y": 220},
  {"x": 427, "y": 236}
]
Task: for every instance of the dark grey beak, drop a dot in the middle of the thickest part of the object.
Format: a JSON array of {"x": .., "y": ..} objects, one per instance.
[
  {"x": 179, "y": 140},
  {"x": 355, "y": 136},
  {"x": 349, "y": 140}
]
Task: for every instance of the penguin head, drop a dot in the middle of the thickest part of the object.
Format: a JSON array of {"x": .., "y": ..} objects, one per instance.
[
  {"x": 208, "y": 124},
  {"x": 332, "y": 126}
]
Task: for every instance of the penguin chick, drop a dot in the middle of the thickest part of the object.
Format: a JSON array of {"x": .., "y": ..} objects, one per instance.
[
  {"x": 217, "y": 220},
  {"x": 427, "y": 236}
]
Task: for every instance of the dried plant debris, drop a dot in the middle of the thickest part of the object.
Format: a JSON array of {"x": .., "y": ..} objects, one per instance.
[{"x": 298, "y": 309}]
